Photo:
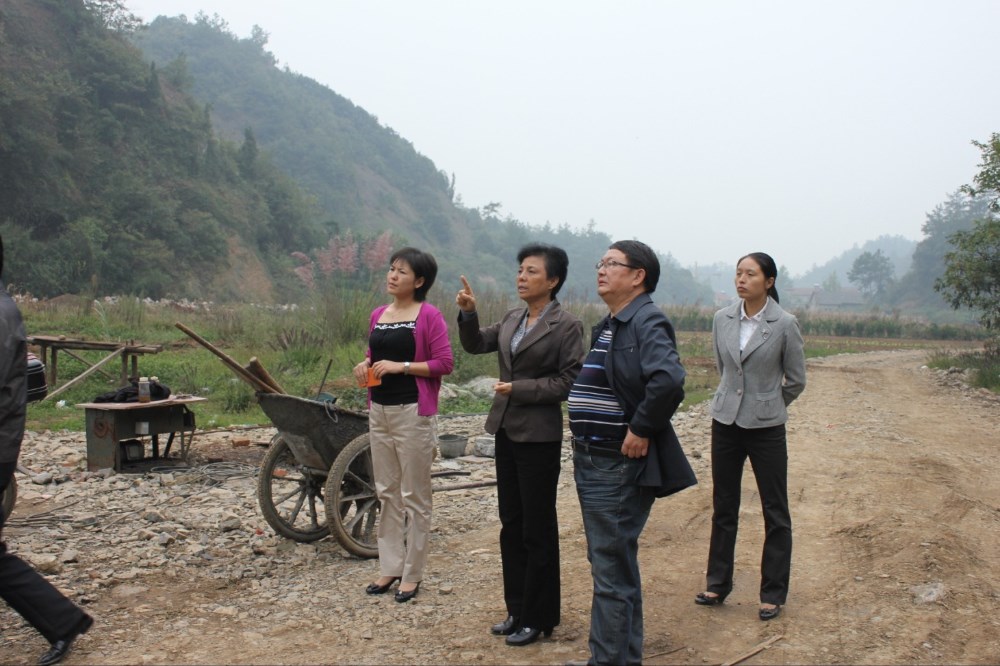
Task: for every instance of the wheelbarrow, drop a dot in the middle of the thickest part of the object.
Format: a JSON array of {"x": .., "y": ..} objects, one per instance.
[{"x": 316, "y": 478}]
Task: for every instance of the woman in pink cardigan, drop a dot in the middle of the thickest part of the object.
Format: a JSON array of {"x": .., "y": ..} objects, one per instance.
[{"x": 408, "y": 352}]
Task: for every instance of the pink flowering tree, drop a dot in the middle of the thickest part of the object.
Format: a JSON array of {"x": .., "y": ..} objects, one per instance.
[{"x": 345, "y": 259}]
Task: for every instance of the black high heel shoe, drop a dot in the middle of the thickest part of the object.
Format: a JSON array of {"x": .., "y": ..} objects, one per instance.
[
  {"x": 702, "y": 599},
  {"x": 403, "y": 597},
  {"x": 769, "y": 613},
  {"x": 507, "y": 627},
  {"x": 375, "y": 588},
  {"x": 527, "y": 636}
]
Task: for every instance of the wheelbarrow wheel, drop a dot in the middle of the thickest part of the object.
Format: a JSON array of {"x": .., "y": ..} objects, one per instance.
[
  {"x": 9, "y": 497},
  {"x": 352, "y": 508},
  {"x": 291, "y": 495}
]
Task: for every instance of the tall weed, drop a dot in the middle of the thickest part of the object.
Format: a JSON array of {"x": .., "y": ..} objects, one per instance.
[{"x": 985, "y": 364}]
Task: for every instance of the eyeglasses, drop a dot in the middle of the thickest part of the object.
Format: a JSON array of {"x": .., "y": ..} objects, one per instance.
[{"x": 611, "y": 263}]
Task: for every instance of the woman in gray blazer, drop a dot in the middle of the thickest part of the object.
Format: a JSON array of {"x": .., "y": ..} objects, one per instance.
[
  {"x": 540, "y": 352},
  {"x": 759, "y": 353}
]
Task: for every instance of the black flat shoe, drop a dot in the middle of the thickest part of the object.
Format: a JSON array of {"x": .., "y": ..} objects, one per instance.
[
  {"x": 527, "y": 636},
  {"x": 703, "y": 599},
  {"x": 507, "y": 627},
  {"x": 403, "y": 597},
  {"x": 375, "y": 588},
  {"x": 62, "y": 647},
  {"x": 769, "y": 613}
]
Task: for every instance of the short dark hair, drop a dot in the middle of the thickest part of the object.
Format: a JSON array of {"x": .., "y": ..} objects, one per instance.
[
  {"x": 767, "y": 267},
  {"x": 556, "y": 261},
  {"x": 423, "y": 266},
  {"x": 640, "y": 255}
]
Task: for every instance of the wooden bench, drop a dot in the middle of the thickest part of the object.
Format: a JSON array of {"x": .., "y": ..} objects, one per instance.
[{"x": 129, "y": 353}]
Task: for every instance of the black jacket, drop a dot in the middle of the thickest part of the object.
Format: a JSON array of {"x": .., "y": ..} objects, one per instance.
[
  {"x": 13, "y": 378},
  {"x": 645, "y": 373}
]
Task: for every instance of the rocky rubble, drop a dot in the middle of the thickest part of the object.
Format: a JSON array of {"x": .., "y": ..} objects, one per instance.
[
  {"x": 960, "y": 379},
  {"x": 108, "y": 539}
]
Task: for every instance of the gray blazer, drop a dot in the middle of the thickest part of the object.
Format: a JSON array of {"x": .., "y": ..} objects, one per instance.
[
  {"x": 758, "y": 384},
  {"x": 541, "y": 373}
]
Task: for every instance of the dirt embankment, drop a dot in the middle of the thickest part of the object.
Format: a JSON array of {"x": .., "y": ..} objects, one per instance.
[{"x": 896, "y": 512}]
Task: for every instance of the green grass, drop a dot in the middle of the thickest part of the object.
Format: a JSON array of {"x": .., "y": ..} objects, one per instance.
[
  {"x": 985, "y": 364},
  {"x": 296, "y": 344}
]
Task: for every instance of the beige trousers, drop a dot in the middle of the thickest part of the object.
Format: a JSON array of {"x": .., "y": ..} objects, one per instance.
[{"x": 402, "y": 444}]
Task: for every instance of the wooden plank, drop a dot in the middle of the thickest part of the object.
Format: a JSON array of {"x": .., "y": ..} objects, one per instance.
[
  {"x": 229, "y": 361},
  {"x": 115, "y": 354},
  {"x": 87, "y": 363},
  {"x": 260, "y": 371},
  {"x": 119, "y": 406},
  {"x": 61, "y": 342}
]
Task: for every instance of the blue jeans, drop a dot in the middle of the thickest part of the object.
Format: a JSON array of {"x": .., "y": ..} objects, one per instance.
[{"x": 615, "y": 510}]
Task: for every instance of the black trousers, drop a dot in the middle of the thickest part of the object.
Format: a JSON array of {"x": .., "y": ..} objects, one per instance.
[
  {"x": 768, "y": 452},
  {"x": 527, "y": 475},
  {"x": 28, "y": 593}
]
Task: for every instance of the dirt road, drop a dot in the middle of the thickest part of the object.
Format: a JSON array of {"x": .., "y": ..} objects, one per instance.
[{"x": 896, "y": 511}]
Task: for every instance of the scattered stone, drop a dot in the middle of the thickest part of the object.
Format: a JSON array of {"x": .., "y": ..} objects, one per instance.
[
  {"x": 230, "y": 524},
  {"x": 484, "y": 445},
  {"x": 929, "y": 593},
  {"x": 481, "y": 387},
  {"x": 45, "y": 562},
  {"x": 42, "y": 478},
  {"x": 185, "y": 530},
  {"x": 125, "y": 591}
]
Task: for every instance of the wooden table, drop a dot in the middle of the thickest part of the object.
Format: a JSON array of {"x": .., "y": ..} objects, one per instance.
[
  {"x": 129, "y": 351},
  {"x": 117, "y": 430}
]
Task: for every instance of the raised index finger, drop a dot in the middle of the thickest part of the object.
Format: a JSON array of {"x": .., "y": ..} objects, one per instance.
[{"x": 465, "y": 285}]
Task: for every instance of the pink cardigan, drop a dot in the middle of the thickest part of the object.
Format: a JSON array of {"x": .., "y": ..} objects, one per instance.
[{"x": 433, "y": 346}]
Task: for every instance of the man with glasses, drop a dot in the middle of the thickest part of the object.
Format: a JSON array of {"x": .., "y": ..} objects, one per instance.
[{"x": 625, "y": 451}]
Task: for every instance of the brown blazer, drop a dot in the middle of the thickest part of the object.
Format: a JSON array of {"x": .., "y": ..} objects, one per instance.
[{"x": 541, "y": 373}]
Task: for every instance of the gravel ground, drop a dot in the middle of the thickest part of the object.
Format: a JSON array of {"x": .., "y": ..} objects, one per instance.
[{"x": 896, "y": 542}]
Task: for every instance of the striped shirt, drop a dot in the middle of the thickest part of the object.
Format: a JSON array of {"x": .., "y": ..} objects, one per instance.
[{"x": 594, "y": 411}]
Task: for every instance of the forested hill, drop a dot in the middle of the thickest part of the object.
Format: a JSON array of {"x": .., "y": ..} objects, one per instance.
[
  {"x": 366, "y": 178},
  {"x": 202, "y": 169},
  {"x": 112, "y": 179},
  {"x": 363, "y": 175}
]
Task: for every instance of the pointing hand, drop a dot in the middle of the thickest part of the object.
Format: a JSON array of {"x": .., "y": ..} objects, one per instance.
[{"x": 465, "y": 299}]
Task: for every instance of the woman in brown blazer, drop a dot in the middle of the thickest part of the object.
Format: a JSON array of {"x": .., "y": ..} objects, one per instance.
[{"x": 540, "y": 351}]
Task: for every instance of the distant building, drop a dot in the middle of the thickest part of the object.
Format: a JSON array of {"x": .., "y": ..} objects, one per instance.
[
  {"x": 813, "y": 299},
  {"x": 841, "y": 300},
  {"x": 797, "y": 298}
]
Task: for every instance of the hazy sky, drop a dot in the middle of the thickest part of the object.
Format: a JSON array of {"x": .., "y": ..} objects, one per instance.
[{"x": 707, "y": 129}]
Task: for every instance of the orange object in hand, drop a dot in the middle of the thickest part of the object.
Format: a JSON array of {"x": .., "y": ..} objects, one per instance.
[{"x": 372, "y": 379}]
